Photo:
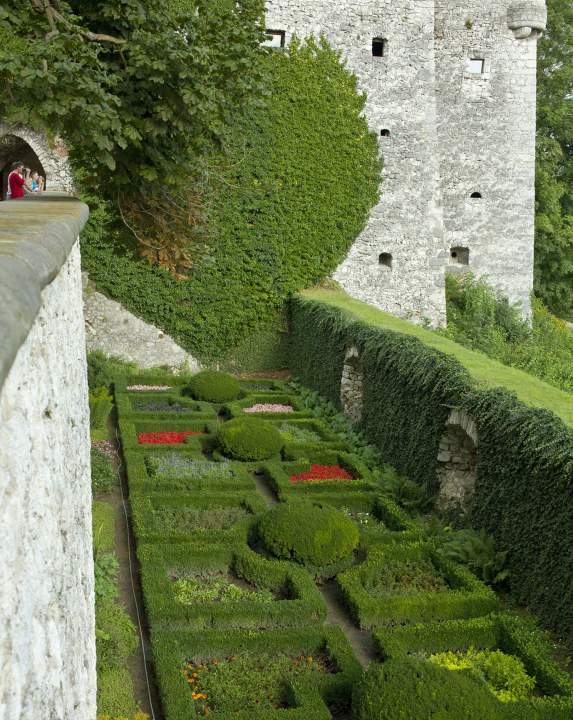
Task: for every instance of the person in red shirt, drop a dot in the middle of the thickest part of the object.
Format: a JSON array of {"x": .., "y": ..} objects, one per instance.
[{"x": 16, "y": 181}]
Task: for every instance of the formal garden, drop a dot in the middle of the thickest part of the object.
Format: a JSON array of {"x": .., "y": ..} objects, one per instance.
[{"x": 288, "y": 570}]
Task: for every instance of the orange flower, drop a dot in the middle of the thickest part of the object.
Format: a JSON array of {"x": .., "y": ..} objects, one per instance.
[
  {"x": 309, "y": 659},
  {"x": 186, "y": 672},
  {"x": 195, "y": 674},
  {"x": 215, "y": 662}
]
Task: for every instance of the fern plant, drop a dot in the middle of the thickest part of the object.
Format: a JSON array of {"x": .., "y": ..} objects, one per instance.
[
  {"x": 403, "y": 491},
  {"x": 478, "y": 553}
]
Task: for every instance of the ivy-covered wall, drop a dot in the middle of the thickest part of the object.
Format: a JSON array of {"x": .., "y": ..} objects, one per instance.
[
  {"x": 301, "y": 175},
  {"x": 524, "y": 488}
]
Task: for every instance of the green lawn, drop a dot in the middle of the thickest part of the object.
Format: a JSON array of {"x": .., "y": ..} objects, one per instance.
[{"x": 485, "y": 372}]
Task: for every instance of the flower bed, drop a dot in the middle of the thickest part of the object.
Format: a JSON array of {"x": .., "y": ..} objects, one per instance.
[
  {"x": 268, "y": 407},
  {"x": 159, "y": 406},
  {"x": 191, "y": 589},
  {"x": 148, "y": 387},
  {"x": 262, "y": 684},
  {"x": 296, "y": 433},
  {"x": 184, "y": 467},
  {"x": 322, "y": 472},
  {"x": 165, "y": 438},
  {"x": 104, "y": 448}
]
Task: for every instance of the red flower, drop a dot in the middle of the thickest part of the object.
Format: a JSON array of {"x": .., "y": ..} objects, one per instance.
[
  {"x": 323, "y": 472},
  {"x": 164, "y": 437}
]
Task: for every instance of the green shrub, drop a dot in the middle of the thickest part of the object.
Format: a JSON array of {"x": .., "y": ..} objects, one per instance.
[
  {"x": 115, "y": 697},
  {"x": 308, "y": 533},
  {"x": 101, "y": 470},
  {"x": 102, "y": 369},
  {"x": 249, "y": 439},
  {"x": 103, "y": 524},
  {"x": 101, "y": 403},
  {"x": 410, "y": 689},
  {"x": 212, "y": 386}
]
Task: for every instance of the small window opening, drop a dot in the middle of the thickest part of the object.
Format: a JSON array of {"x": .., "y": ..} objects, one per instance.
[
  {"x": 384, "y": 133},
  {"x": 275, "y": 38},
  {"x": 476, "y": 66},
  {"x": 385, "y": 259},
  {"x": 475, "y": 195},
  {"x": 378, "y": 47},
  {"x": 459, "y": 255}
]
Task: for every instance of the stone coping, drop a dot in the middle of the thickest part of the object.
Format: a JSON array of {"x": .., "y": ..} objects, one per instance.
[{"x": 36, "y": 237}]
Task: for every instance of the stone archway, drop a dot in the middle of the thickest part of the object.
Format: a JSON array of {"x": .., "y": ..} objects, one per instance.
[
  {"x": 351, "y": 384},
  {"x": 457, "y": 461},
  {"x": 48, "y": 157}
]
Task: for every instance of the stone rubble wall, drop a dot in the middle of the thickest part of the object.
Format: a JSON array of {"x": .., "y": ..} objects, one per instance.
[
  {"x": 114, "y": 330},
  {"x": 47, "y": 624},
  {"x": 351, "y": 385},
  {"x": 457, "y": 461},
  {"x": 486, "y": 139},
  {"x": 407, "y": 223}
]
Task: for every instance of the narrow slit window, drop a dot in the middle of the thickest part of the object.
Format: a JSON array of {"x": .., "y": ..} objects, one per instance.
[
  {"x": 384, "y": 133},
  {"x": 476, "y": 67},
  {"x": 275, "y": 38},
  {"x": 378, "y": 47},
  {"x": 385, "y": 259}
]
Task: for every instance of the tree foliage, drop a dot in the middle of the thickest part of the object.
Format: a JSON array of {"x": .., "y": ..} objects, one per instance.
[
  {"x": 554, "y": 162},
  {"x": 301, "y": 175},
  {"x": 141, "y": 90}
]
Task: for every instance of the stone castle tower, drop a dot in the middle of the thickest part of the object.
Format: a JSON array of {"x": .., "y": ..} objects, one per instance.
[{"x": 451, "y": 94}]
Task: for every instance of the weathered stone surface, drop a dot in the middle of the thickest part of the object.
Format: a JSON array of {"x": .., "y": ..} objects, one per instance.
[
  {"x": 457, "y": 459},
  {"x": 47, "y": 631},
  {"x": 351, "y": 385},
  {"x": 114, "y": 330},
  {"x": 452, "y": 133}
]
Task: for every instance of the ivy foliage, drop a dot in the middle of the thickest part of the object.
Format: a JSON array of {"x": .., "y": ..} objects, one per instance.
[
  {"x": 524, "y": 490},
  {"x": 304, "y": 174}
]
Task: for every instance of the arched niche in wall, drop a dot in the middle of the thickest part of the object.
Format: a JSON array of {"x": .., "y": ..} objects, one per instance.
[
  {"x": 48, "y": 157},
  {"x": 457, "y": 459},
  {"x": 351, "y": 384}
]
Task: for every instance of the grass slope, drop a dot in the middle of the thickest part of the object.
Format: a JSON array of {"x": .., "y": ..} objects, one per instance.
[{"x": 485, "y": 372}]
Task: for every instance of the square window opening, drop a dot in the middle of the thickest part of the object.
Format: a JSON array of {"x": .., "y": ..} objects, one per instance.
[
  {"x": 476, "y": 66},
  {"x": 378, "y": 47},
  {"x": 275, "y": 38}
]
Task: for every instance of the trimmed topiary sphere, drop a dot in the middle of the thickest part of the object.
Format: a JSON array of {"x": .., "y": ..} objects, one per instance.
[
  {"x": 418, "y": 690},
  {"x": 212, "y": 386},
  {"x": 308, "y": 533},
  {"x": 249, "y": 439}
]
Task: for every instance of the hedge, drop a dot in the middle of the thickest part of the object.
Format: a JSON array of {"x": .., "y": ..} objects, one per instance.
[
  {"x": 468, "y": 596},
  {"x": 304, "y": 606},
  {"x": 496, "y": 632},
  {"x": 524, "y": 487},
  {"x": 172, "y": 648},
  {"x": 145, "y": 525}
]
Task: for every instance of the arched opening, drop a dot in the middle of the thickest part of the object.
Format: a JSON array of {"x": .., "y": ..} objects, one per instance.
[
  {"x": 475, "y": 195},
  {"x": 14, "y": 148},
  {"x": 385, "y": 259},
  {"x": 351, "y": 385},
  {"x": 457, "y": 459},
  {"x": 385, "y": 133}
]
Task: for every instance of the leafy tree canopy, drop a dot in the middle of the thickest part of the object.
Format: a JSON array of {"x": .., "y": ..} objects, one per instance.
[
  {"x": 554, "y": 162},
  {"x": 141, "y": 90}
]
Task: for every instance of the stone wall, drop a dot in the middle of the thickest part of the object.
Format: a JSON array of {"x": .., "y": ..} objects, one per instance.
[
  {"x": 445, "y": 133},
  {"x": 47, "y": 625},
  {"x": 351, "y": 385},
  {"x": 457, "y": 462},
  {"x": 114, "y": 330}
]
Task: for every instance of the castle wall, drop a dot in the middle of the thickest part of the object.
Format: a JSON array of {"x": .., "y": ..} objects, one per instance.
[
  {"x": 47, "y": 625},
  {"x": 407, "y": 224},
  {"x": 486, "y": 133}
]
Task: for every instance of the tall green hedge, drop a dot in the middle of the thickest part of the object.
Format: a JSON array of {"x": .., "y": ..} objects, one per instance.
[
  {"x": 524, "y": 488},
  {"x": 302, "y": 173}
]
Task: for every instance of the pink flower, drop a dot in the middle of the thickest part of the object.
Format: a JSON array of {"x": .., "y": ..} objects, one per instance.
[
  {"x": 267, "y": 407},
  {"x": 149, "y": 387}
]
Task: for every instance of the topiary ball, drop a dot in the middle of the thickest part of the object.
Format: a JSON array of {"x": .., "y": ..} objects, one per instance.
[
  {"x": 307, "y": 533},
  {"x": 249, "y": 439},
  {"x": 418, "y": 690},
  {"x": 212, "y": 386}
]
